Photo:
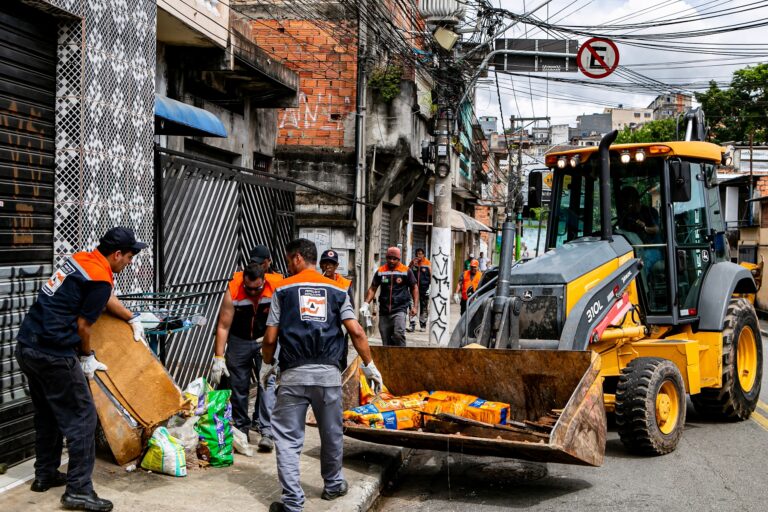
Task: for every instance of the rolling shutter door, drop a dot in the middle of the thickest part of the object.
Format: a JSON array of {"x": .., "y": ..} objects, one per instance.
[{"x": 27, "y": 161}]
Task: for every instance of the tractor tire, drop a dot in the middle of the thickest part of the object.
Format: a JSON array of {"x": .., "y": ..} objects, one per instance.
[
  {"x": 650, "y": 406},
  {"x": 742, "y": 367}
]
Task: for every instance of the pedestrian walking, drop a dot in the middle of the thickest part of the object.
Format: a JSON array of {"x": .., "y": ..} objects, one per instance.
[
  {"x": 468, "y": 261},
  {"x": 482, "y": 262},
  {"x": 308, "y": 311},
  {"x": 468, "y": 284},
  {"x": 55, "y": 331},
  {"x": 237, "y": 347},
  {"x": 399, "y": 293},
  {"x": 329, "y": 263},
  {"x": 422, "y": 269}
]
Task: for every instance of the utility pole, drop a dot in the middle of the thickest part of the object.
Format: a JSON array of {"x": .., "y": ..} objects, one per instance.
[
  {"x": 514, "y": 201},
  {"x": 440, "y": 294},
  {"x": 359, "y": 209}
]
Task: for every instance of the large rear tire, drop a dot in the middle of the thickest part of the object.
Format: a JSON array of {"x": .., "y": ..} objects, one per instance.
[
  {"x": 650, "y": 406},
  {"x": 742, "y": 367}
]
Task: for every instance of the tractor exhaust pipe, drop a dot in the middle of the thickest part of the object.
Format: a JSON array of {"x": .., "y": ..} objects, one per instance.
[{"x": 605, "y": 185}]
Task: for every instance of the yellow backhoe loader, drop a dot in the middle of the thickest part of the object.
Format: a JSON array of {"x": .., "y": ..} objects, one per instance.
[
  {"x": 637, "y": 269},
  {"x": 635, "y": 299}
]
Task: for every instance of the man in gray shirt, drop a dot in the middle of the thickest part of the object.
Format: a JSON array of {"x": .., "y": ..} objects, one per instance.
[{"x": 307, "y": 312}]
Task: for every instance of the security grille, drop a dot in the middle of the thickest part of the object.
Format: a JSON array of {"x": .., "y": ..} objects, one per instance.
[{"x": 211, "y": 215}]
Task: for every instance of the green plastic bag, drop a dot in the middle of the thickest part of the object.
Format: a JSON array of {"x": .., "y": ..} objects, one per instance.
[
  {"x": 165, "y": 454},
  {"x": 216, "y": 428}
]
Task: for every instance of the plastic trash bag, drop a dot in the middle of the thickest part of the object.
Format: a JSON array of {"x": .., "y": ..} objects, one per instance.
[
  {"x": 165, "y": 454},
  {"x": 183, "y": 429},
  {"x": 197, "y": 393},
  {"x": 240, "y": 442},
  {"x": 215, "y": 427}
]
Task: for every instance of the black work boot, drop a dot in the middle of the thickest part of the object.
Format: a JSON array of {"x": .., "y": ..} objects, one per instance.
[
  {"x": 266, "y": 444},
  {"x": 328, "y": 495},
  {"x": 40, "y": 485},
  {"x": 276, "y": 506},
  {"x": 85, "y": 501}
]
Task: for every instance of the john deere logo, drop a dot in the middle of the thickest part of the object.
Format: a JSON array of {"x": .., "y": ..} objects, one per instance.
[{"x": 527, "y": 295}]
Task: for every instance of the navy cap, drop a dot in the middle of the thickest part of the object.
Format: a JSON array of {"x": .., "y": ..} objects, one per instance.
[
  {"x": 259, "y": 254},
  {"x": 122, "y": 238},
  {"x": 329, "y": 255}
]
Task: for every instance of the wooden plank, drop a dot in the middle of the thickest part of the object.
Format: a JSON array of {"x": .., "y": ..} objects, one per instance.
[
  {"x": 135, "y": 377},
  {"x": 123, "y": 438}
]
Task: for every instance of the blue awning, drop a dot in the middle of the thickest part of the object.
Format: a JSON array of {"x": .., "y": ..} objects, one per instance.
[{"x": 176, "y": 118}]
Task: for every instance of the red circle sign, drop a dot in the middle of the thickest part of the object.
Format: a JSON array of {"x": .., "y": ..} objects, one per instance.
[{"x": 598, "y": 57}]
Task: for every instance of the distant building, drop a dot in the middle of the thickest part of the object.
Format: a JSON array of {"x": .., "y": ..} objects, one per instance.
[
  {"x": 670, "y": 105},
  {"x": 590, "y": 124},
  {"x": 559, "y": 134},
  {"x": 489, "y": 124},
  {"x": 622, "y": 117}
]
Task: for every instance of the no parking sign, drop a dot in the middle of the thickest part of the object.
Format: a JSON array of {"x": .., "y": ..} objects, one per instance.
[{"x": 598, "y": 57}]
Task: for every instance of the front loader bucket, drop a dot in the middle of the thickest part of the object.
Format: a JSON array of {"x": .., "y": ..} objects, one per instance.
[{"x": 534, "y": 382}]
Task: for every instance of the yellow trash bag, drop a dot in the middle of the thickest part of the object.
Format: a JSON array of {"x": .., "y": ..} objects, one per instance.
[{"x": 165, "y": 454}]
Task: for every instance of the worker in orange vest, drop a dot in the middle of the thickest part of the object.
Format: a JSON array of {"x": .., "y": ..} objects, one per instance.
[
  {"x": 422, "y": 269},
  {"x": 468, "y": 284},
  {"x": 237, "y": 349}
]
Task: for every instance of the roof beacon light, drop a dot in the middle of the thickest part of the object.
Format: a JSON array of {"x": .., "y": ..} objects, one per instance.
[
  {"x": 561, "y": 162},
  {"x": 625, "y": 157},
  {"x": 640, "y": 156}
]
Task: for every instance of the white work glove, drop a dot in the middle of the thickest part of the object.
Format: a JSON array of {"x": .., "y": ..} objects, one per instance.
[
  {"x": 374, "y": 376},
  {"x": 456, "y": 298},
  {"x": 219, "y": 367},
  {"x": 138, "y": 329},
  {"x": 91, "y": 365},
  {"x": 365, "y": 309},
  {"x": 267, "y": 370}
]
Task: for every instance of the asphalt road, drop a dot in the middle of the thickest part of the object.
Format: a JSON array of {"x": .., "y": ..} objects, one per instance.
[{"x": 718, "y": 467}]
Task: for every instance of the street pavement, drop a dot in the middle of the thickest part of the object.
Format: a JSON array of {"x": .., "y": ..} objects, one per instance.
[{"x": 717, "y": 466}]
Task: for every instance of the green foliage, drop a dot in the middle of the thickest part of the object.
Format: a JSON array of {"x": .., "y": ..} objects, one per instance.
[
  {"x": 536, "y": 213},
  {"x": 654, "y": 131},
  {"x": 385, "y": 81},
  {"x": 741, "y": 111}
]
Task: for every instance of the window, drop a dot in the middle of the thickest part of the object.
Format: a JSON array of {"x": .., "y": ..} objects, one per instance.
[
  {"x": 637, "y": 114},
  {"x": 692, "y": 249},
  {"x": 647, "y": 114}
]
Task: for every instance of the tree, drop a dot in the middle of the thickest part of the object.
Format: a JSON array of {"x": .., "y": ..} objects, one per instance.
[
  {"x": 652, "y": 131},
  {"x": 740, "y": 112}
]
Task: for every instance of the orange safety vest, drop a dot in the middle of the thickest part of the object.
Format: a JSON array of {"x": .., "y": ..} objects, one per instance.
[
  {"x": 251, "y": 314},
  {"x": 467, "y": 280},
  {"x": 343, "y": 281}
]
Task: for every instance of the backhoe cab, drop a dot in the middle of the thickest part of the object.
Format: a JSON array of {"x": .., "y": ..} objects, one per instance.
[{"x": 637, "y": 270}]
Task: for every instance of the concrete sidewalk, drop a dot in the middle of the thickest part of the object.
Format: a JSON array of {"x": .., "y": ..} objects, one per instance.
[{"x": 250, "y": 484}]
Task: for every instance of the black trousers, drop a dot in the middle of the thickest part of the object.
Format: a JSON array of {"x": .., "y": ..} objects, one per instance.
[
  {"x": 63, "y": 409},
  {"x": 244, "y": 357}
]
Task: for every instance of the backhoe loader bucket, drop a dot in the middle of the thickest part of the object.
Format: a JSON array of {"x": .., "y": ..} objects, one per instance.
[{"x": 561, "y": 385}]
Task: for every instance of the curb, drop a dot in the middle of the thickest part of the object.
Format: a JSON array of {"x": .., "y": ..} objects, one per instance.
[{"x": 372, "y": 490}]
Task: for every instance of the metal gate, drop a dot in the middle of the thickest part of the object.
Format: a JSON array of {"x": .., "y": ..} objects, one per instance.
[
  {"x": 27, "y": 161},
  {"x": 211, "y": 216}
]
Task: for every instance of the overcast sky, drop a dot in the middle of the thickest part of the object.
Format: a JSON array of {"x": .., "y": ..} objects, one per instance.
[{"x": 566, "y": 101}]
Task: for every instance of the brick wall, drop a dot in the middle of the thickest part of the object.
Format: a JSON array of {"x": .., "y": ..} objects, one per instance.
[{"x": 325, "y": 59}]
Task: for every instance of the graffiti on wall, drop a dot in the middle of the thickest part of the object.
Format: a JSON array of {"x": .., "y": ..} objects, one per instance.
[
  {"x": 439, "y": 294},
  {"x": 316, "y": 111}
]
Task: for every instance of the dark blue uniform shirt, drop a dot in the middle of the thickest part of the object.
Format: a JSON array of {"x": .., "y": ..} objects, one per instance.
[{"x": 81, "y": 287}]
